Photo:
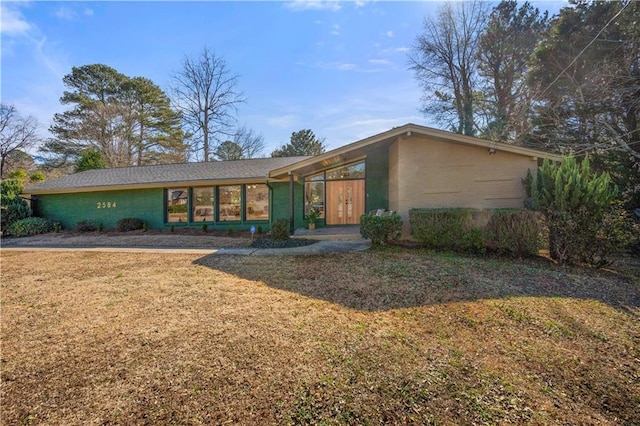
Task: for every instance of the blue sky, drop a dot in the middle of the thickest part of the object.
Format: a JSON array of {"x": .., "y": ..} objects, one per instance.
[{"x": 338, "y": 68}]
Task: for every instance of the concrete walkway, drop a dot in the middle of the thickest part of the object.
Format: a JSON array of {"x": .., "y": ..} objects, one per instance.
[{"x": 321, "y": 247}]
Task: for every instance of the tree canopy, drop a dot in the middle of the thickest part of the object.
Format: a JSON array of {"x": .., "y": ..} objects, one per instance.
[
  {"x": 303, "y": 142},
  {"x": 128, "y": 120}
]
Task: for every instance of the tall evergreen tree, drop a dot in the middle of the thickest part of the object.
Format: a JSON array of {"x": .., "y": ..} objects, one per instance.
[
  {"x": 586, "y": 79},
  {"x": 129, "y": 121},
  {"x": 303, "y": 142},
  {"x": 506, "y": 44}
]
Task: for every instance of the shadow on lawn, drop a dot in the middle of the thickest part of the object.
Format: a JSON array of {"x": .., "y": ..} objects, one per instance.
[{"x": 384, "y": 280}]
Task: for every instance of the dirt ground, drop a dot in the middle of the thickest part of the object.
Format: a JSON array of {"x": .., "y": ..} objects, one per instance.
[{"x": 391, "y": 336}]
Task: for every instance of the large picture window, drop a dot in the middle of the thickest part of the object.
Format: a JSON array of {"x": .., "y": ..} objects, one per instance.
[
  {"x": 315, "y": 185},
  {"x": 177, "y": 199},
  {"x": 314, "y": 194},
  {"x": 229, "y": 202},
  {"x": 257, "y": 202},
  {"x": 202, "y": 204}
]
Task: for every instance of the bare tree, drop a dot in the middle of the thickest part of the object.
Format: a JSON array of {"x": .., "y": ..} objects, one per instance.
[
  {"x": 252, "y": 143},
  {"x": 205, "y": 92},
  {"x": 444, "y": 61},
  {"x": 17, "y": 133}
]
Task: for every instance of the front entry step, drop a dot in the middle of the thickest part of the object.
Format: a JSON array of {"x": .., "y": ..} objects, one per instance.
[{"x": 330, "y": 233}]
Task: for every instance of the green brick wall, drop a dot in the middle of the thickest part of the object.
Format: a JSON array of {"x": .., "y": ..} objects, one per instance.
[
  {"x": 377, "y": 179},
  {"x": 280, "y": 202},
  {"x": 69, "y": 209}
]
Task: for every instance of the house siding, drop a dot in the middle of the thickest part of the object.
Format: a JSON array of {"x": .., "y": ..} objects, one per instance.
[
  {"x": 377, "y": 179},
  {"x": 69, "y": 209},
  {"x": 433, "y": 174}
]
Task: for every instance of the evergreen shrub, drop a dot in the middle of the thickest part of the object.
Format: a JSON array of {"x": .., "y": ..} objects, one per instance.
[
  {"x": 129, "y": 224},
  {"x": 579, "y": 206},
  {"x": 515, "y": 232},
  {"x": 280, "y": 230},
  {"x": 442, "y": 229},
  {"x": 85, "y": 226},
  {"x": 29, "y": 226},
  {"x": 380, "y": 229}
]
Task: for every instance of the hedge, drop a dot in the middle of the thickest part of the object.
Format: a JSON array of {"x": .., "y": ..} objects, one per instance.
[
  {"x": 29, "y": 226},
  {"x": 511, "y": 232}
]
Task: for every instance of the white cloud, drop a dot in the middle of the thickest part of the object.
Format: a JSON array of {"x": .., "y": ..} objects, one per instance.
[
  {"x": 13, "y": 22},
  {"x": 335, "y": 30},
  {"x": 388, "y": 34},
  {"x": 65, "y": 13},
  {"x": 88, "y": 12},
  {"x": 301, "y": 5}
]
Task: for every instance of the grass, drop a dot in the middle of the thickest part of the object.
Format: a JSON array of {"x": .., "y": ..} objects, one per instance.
[{"x": 379, "y": 337}]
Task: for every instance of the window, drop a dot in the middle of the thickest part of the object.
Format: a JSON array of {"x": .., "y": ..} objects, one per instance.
[
  {"x": 229, "y": 202},
  {"x": 351, "y": 171},
  {"x": 257, "y": 202},
  {"x": 177, "y": 204},
  {"x": 202, "y": 204},
  {"x": 314, "y": 194}
]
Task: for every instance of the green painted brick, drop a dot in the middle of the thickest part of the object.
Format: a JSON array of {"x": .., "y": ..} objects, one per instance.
[{"x": 69, "y": 209}]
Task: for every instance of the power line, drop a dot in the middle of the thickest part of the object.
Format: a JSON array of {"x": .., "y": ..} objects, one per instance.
[{"x": 587, "y": 46}]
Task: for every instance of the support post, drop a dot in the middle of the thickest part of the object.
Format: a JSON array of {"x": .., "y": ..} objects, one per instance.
[{"x": 291, "y": 204}]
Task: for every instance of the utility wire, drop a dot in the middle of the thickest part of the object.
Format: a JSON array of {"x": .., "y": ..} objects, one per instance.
[{"x": 587, "y": 46}]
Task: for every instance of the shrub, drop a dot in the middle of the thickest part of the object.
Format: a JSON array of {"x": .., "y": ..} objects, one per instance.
[
  {"x": 280, "y": 230},
  {"x": 100, "y": 227},
  {"x": 129, "y": 224},
  {"x": 515, "y": 232},
  {"x": 85, "y": 226},
  {"x": 172, "y": 228},
  {"x": 441, "y": 228},
  {"x": 15, "y": 210},
  {"x": 204, "y": 227},
  {"x": 579, "y": 211},
  {"x": 56, "y": 227},
  {"x": 29, "y": 226},
  {"x": 380, "y": 229},
  {"x": 473, "y": 242},
  {"x": 12, "y": 206},
  {"x": 145, "y": 228},
  {"x": 259, "y": 230}
]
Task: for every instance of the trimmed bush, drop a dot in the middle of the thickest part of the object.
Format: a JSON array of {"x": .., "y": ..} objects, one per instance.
[
  {"x": 85, "y": 226},
  {"x": 510, "y": 232},
  {"x": 280, "y": 230},
  {"x": 515, "y": 232},
  {"x": 380, "y": 229},
  {"x": 129, "y": 224},
  {"x": 441, "y": 229},
  {"x": 29, "y": 226}
]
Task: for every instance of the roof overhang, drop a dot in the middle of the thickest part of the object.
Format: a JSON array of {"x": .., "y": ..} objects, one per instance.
[
  {"x": 103, "y": 188},
  {"x": 356, "y": 150}
]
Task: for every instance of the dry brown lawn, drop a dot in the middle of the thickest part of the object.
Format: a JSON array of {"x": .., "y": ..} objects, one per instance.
[{"x": 378, "y": 337}]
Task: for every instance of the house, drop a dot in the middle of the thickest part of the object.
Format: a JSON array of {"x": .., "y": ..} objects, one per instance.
[{"x": 406, "y": 167}]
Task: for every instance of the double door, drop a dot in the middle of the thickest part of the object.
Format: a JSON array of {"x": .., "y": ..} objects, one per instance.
[{"x": 345, "y": 202}]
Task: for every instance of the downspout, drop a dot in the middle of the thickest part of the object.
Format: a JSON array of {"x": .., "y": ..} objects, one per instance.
[
  {"x": 291, "y": 204},
  {"x": 270, "y": 200}
]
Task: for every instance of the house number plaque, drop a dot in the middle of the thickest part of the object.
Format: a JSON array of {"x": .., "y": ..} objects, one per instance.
[{"x": 106, "y": 205}]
